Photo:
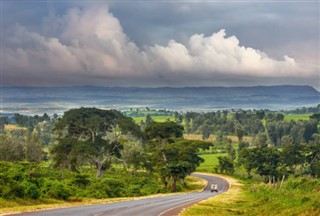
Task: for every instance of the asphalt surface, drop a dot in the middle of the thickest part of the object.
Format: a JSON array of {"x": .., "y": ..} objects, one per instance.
[{"x": 156, "y": 206}]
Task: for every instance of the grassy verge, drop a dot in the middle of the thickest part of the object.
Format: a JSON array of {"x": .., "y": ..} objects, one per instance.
[
  {"x": 27, "y": 205},
  {"x": 297, "y": 197}
]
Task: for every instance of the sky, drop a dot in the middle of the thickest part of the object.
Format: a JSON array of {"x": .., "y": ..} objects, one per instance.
[{"x": 160, "y": 43}]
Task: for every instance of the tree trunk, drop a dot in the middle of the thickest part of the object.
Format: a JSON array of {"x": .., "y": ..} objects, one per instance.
[
  {"x": 173, "y": 185},
  {"x": 165, "y": 184},
  {"x": 182, "y": 181},
  {"x": 100, "y": 172},
  {"x": 282, "y": 181}
]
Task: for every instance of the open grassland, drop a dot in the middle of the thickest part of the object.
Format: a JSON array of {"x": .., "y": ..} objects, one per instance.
[
  {"x": 155, "y": 118},
  {"x": 210, "y": 161},
  {"x": 296, "y": 117}
]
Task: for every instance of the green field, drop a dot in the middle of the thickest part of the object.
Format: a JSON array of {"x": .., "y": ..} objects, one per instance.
[
  {"x": 155, "y": 118},
  {"x": 210, "y": 161},
  {"x": 296, "y": 117}
]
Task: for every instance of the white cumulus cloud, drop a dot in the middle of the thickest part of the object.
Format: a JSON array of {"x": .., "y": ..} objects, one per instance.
[{"x": 91, "y": 45}]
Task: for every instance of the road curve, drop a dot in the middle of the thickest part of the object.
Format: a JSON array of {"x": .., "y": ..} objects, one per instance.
[{"x": 156, "y": 206}]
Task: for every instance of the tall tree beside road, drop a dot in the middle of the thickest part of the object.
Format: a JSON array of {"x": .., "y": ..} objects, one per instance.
[{"x": 98, "y": 134}]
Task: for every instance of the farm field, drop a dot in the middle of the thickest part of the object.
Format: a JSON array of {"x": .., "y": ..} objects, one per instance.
[
  {"x": 155, "y": 118},
  {"x": 210, "y": 161},
  {"x": 296, "y": 117}
]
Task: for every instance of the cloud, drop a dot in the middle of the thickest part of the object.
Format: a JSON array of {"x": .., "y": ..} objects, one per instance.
[{"x": 91, "y": 47}]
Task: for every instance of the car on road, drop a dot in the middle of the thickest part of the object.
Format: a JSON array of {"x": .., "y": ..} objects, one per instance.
[{"x": 214, "y": 187}]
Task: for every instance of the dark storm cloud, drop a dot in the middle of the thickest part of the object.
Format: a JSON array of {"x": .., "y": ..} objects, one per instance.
[{"x": 160, "y": 43}]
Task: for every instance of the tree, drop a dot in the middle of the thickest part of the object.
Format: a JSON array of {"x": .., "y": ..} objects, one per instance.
[
  {"x": 183, "y": 159},
  {"x": 95, "y": 135},
  {"x": 260, "y": 140},
  {"x": 148, "y": 119},
  {"x": 11, "y": 148},
  {"x": 230, "y": 150},
  {"x": 293, "y": 155},
  {"x": 240, "y": 133},
  {"x": 225, "y": 165},
  {"x": 313, "y": 155},
  {"x": 33, "y": 148},
  {"x": 267, "y": 161},
  {"x": 247, "y": 158},
  {"x": 171, "y": 156},
  {"x": 158, "y": 136},
  {"x": 219, "y": 137},
  {"x": 3, "y": 122},
  {"x": 205, "y": 131}
]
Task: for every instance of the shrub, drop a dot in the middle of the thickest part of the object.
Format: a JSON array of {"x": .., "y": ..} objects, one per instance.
[
  {"x": 32, "y": 191},
  {"x": 56, "y": 190}
]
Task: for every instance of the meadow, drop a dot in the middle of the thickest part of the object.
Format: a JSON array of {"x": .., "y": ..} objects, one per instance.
[
  {"x": 296, "y": 117},
  {"x": 138, "y": 119},
  {"x": 210, "y": 161}
]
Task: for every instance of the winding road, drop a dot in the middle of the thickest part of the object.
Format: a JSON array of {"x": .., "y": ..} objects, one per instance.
[{"x": 157, "y": 206}]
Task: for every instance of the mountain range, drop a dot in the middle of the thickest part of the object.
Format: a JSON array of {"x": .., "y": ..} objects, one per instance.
[{"x": 38, "y": 100}]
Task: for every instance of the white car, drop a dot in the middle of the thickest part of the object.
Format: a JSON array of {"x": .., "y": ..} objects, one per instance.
[{"x": 214, "y": 187}]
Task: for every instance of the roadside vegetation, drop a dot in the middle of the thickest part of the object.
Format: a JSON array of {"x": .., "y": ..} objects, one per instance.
[
  {"x": 297, "y": 196},
  {"x": 89, "y": 154}
]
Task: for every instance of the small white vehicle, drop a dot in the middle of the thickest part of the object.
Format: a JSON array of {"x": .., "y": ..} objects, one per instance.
[{"x": 214, "y": 187}]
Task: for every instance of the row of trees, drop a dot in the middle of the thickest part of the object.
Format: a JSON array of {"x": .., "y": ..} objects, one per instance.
[
  {"x": 253, "y": 124},
  {"x": 21, "y": 146},
  {"x": 270, "y": 162}
]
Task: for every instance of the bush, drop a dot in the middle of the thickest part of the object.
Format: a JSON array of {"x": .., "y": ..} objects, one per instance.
[
  {"x": 32, "y": 191},
  {"x": 56, "y": 190},
  {"x": 81, "y": 180}
]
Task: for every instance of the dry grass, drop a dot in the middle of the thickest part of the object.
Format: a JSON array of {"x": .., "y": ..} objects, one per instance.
[{"x": 11, "y": 127}]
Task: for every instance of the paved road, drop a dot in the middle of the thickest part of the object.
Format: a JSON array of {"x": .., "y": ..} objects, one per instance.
[{"x": 157, "y": 206}]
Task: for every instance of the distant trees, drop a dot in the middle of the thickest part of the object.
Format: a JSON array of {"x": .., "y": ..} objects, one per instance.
[
  {"x": 25, "y": 146},
  {"x": 3, "y": 122}
]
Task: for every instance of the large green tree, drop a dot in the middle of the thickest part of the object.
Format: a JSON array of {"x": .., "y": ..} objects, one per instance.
[
  {"x": 171, "y": 156},
  {"x": 94, "y": 135}
]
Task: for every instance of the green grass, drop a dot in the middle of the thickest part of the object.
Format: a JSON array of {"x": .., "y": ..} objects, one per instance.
[
  {"x": 296, "y": 117},
  {"x": 210, "y": 161},
  {"x": 155, "y": 118}
]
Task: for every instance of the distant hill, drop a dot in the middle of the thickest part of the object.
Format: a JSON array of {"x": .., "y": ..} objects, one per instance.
[{"x": 37, "y": 100}]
